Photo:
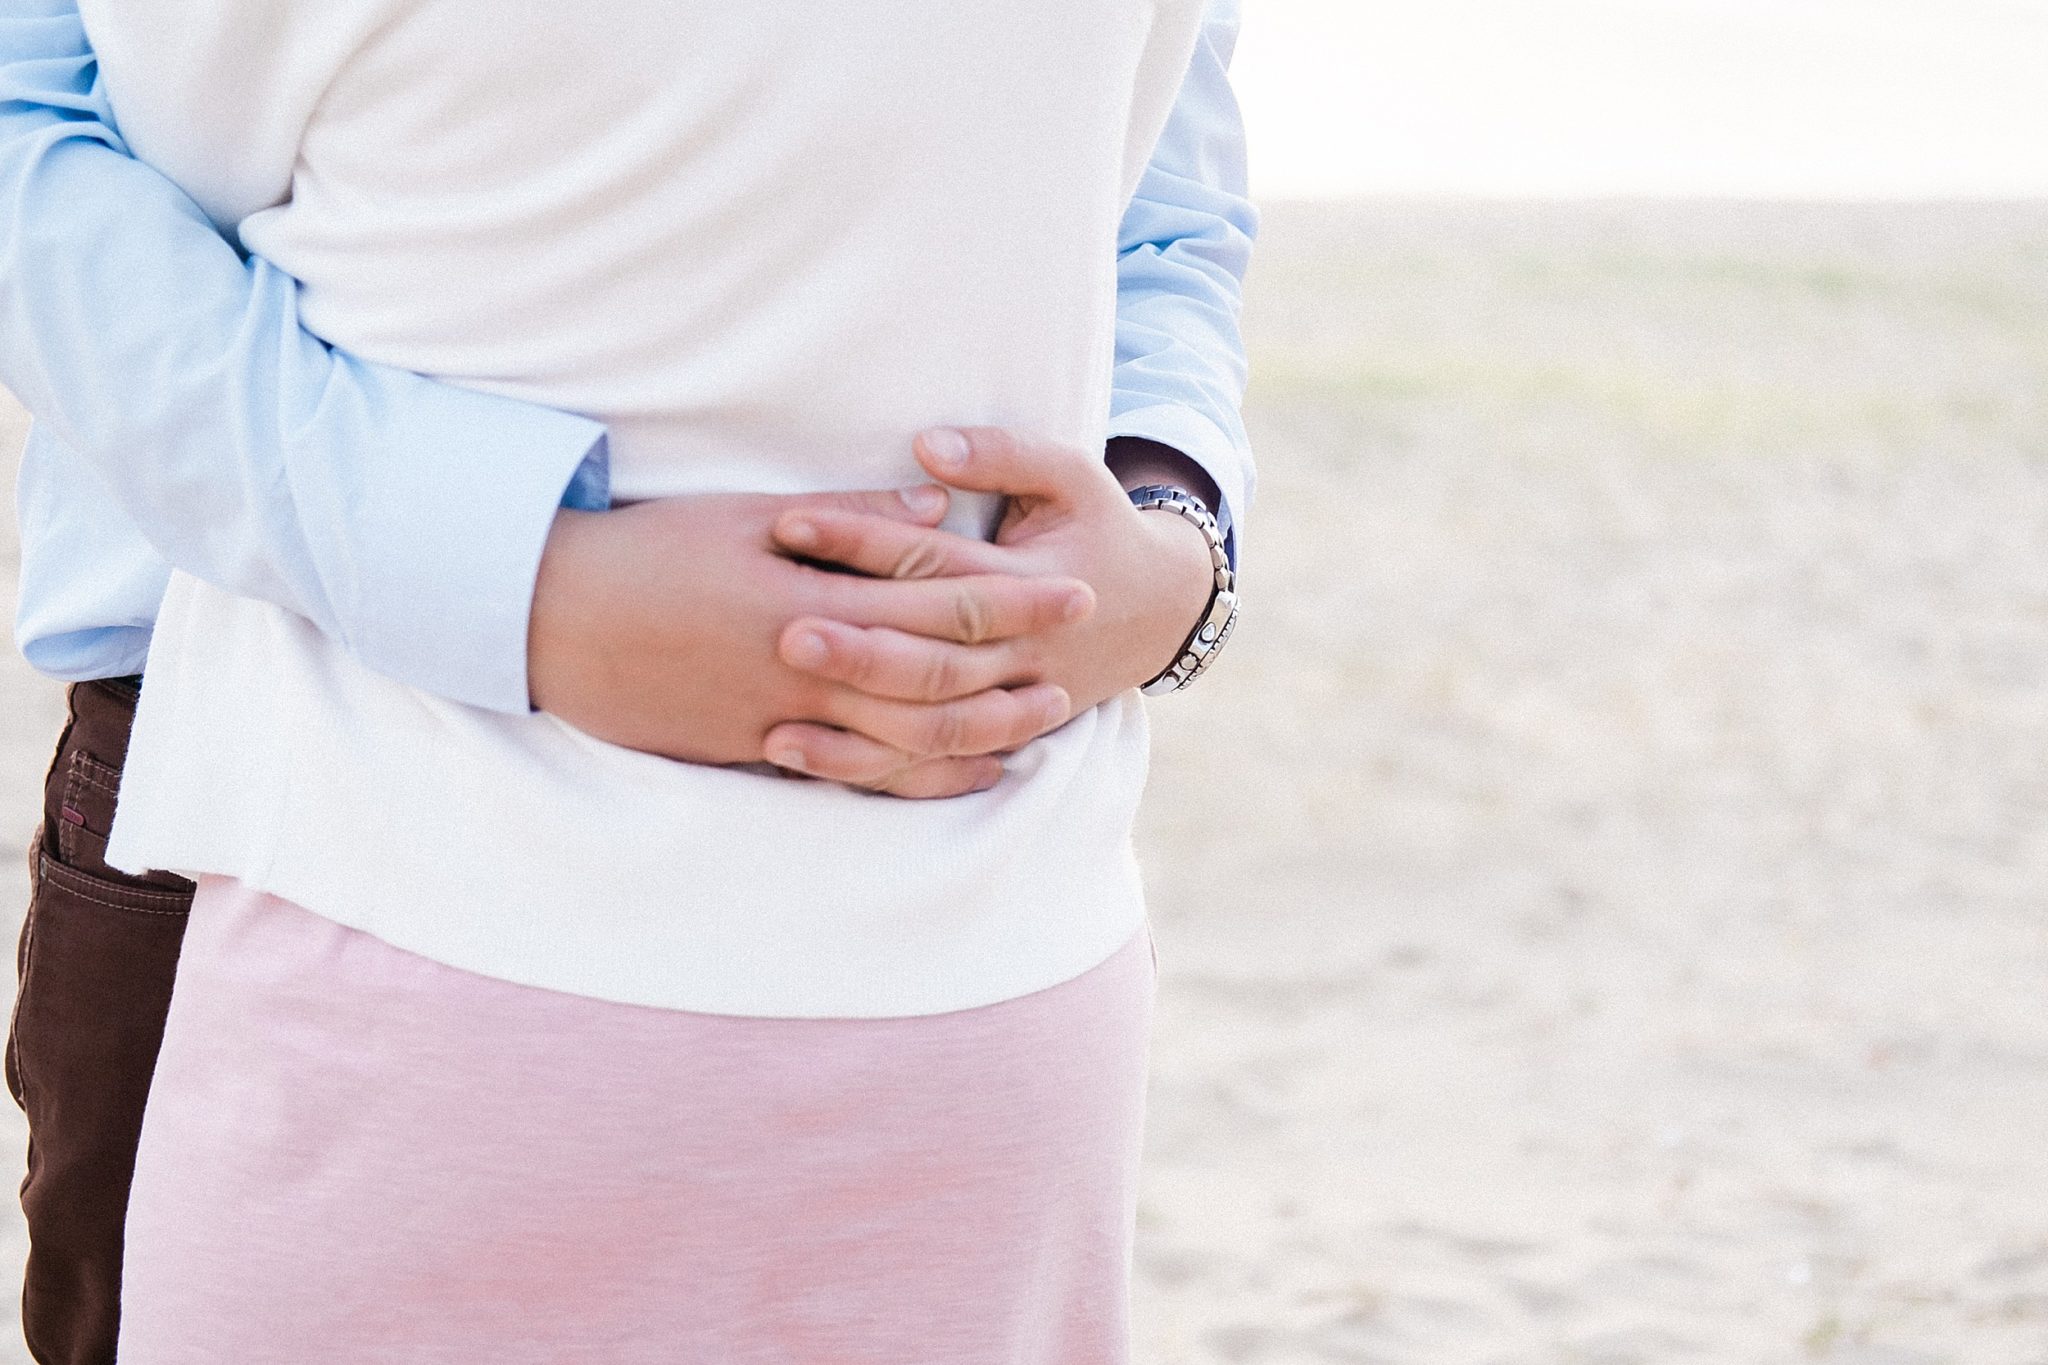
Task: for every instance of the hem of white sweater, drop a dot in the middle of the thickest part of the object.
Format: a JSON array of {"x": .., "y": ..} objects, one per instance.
[{"x": 262, "y": 753}]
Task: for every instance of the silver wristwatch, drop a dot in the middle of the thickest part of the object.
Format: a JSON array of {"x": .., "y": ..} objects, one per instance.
[{"x": 1219, "y": 618}]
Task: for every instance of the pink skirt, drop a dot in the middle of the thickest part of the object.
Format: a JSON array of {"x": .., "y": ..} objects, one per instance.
[{"x": 356, "y": 1154}]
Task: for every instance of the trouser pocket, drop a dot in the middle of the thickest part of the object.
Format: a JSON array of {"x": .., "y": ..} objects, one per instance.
[{"x": 97, "y": 956}]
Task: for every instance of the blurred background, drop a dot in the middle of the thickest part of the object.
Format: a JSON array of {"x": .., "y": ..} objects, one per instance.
[{"x": 1599, "y": 895}]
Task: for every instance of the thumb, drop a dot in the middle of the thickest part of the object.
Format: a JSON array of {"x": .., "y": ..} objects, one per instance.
[
  {"x": 997, "y": 460},
  {"x": 925, "y": 504}
]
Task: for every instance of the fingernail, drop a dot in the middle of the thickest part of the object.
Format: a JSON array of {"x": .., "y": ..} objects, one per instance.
[
  {"x": 799, "y": 532},
  {"x": 924, "y": 499},
  {"x": 1075, "y": 606},
  {"x": 946, "y": 446},
  {"x": 787, "y": 756},
  {"x": 807, "y": 649}
]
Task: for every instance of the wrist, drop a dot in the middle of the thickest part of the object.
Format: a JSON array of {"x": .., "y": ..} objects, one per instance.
[
  {"x": 1179, "y": 552},
  {"x": 1177, "y": 564},
  {"x": 1216, "y": 615},
  {"x": 558, "y": 603}
]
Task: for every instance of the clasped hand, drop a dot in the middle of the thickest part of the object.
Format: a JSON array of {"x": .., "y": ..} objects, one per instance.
[{"x": 844, "y": 636}]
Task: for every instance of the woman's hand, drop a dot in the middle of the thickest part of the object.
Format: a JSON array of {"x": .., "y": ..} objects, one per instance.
[
  {"x": 694, "y": 661},
  {"x": 1068, "y": 518}
]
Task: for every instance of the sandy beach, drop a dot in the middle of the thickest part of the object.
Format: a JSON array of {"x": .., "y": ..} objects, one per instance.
[{"x": 1600, "y": 893}]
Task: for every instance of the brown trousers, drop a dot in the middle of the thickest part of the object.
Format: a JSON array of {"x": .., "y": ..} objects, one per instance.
[{"x": 98, "y": 953}]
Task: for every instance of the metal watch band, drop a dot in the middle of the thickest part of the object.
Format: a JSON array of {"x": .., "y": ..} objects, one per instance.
[{"x": 1219, "y": 618}]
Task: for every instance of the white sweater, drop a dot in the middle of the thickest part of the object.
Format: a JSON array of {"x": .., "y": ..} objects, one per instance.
[{"x": 765, "y": 243}]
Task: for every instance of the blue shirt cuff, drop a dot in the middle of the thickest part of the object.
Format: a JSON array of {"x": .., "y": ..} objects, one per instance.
[{"x": 451, "y": 611}]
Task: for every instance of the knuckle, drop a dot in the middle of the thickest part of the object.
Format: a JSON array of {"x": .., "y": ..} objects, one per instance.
[
  {"x": 1044, "y": 603},
  {"x": 973, "y": 619},
  {"x": 921, "y": 558},
  {"x": 944, "y": 677},
  {"x": 948, "y": 731}
]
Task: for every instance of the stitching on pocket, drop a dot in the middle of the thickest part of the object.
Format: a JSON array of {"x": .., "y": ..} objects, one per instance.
[
  {"x": 89, "y": 786},
  {"x": 100, "y": 892},
  {"x": 90, "y": 772}
]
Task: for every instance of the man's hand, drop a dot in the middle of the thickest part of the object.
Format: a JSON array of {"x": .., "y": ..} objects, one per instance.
[
  {"x": 1067, "y": 517},
  {"x": 661, "y": 627}
]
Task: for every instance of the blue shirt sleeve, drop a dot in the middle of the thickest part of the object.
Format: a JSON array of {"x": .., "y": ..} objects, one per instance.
[
  {"x": 403, "y": 516},
  {"x": 1183, "y": 250}
]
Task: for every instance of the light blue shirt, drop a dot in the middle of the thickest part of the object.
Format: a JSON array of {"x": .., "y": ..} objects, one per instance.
[{"x": 183, "y": 416}]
